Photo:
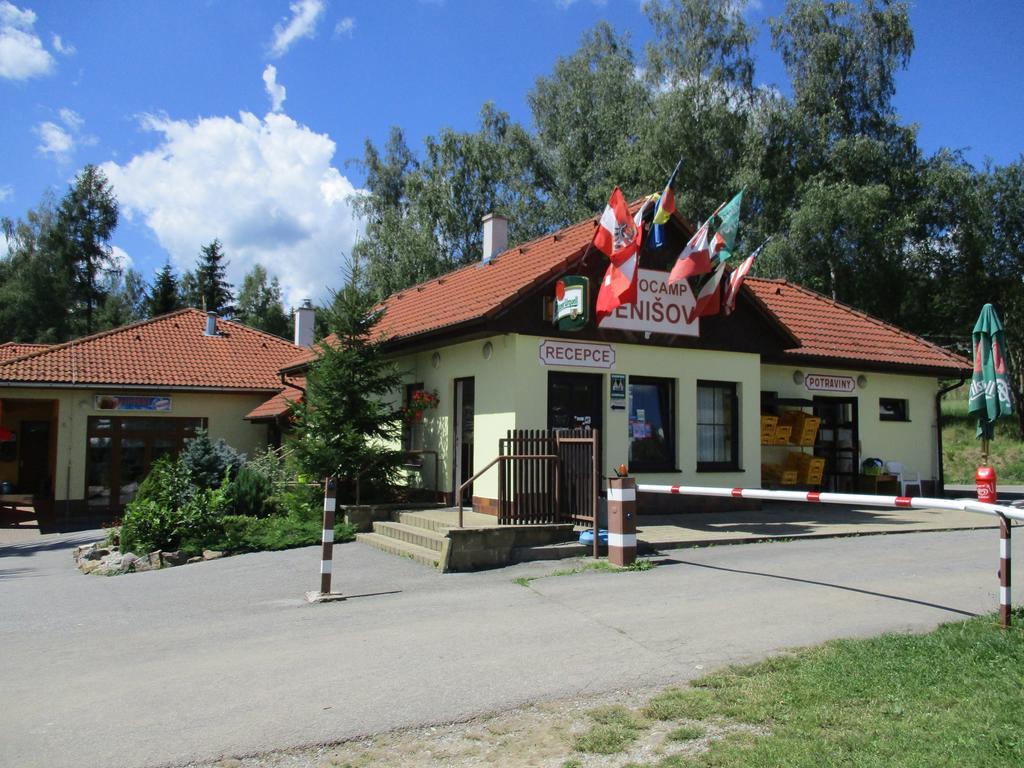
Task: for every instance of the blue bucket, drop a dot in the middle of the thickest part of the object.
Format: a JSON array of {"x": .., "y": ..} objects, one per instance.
[{"x": 587, "y": 537}]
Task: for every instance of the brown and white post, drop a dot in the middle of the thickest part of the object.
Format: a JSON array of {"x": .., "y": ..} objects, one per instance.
[
  {"x": 621, "y": 520},
  {"x": 327, "y": 553},
  {"x": 1004, "y": 572}
]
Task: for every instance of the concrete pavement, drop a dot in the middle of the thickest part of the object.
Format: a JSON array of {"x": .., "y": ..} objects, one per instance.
[{"x": 225, "y": 658}]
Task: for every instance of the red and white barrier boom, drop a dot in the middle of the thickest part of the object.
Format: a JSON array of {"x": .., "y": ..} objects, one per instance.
[{"x": 1003, "y": 513}]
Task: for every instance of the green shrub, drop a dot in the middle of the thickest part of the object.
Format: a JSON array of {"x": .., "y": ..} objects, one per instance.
[
  {"x": 251, "y": 494},
  {"x": 208, "y": 462},
  {"x": 170, "y": 518},
  {"x": 241, "y": 533}
]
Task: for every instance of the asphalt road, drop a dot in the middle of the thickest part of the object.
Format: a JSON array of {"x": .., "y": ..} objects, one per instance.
[{"x": 226, "y": 658}]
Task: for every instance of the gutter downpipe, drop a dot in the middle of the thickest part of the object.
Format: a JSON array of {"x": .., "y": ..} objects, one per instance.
[
  {"x": 71, "y": 440},
  {"x": 938, "y": 429},
  {"x": 287, "y": 383}
]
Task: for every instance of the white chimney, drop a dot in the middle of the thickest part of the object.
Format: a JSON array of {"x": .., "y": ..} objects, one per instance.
[
  {"x": 211, "y": 324},
  {"x": 495, "y": 235},
  {"x": 304, "y": 316}
]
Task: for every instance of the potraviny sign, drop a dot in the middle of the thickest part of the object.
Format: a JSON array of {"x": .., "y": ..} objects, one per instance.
[
  {"x": 576, "y": 354},
  {"x": 659, "y": 307},
  {"x": 826, "y": 382}
]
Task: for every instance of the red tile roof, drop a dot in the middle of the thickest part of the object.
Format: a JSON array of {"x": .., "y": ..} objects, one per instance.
[
  {"x": 170, "y": 351},
  {"x": 825, "y": 329},
  {"x": 478, "y": 290},
  {"x": 828, "y": 329},
  {"x": 12, "y": 349},
  {"x": 278, "y": 405}
]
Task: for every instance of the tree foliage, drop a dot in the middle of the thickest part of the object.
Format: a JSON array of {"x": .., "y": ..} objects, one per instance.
[
  {"x": 207, "y": 287},
  {"x": 259, "y": 303},
  {"x": 346, "y": 418}
]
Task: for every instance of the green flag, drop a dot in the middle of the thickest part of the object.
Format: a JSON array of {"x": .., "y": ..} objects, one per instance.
[
  {"x": 728, "y": 215},
  {"x": 990, "y": 387}
]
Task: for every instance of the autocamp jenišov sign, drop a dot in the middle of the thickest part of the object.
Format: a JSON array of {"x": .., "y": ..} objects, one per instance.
[{"x": 659, "y": 307}]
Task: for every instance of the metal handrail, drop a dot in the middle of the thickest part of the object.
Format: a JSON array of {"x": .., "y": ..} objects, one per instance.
[{"x": 496, "y": 460}]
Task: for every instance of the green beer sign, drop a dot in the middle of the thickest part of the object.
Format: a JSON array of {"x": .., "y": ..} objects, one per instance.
[{"x": 572, "y": 296}]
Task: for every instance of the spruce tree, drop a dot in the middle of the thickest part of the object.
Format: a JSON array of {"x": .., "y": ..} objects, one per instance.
[
  {"x": 163, "y": 296},
  {"x": 211, "y": 280},
  {"x": 345, "y": 419}
]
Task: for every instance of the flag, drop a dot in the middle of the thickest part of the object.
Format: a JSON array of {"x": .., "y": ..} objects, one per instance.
[
  {"x": 616, "y": 231},
  {"x": 732, "y": 288},
  {"x": 666, "y": 207},
  {"x": 695, "y": 258},
  {"x": 725, "y": 237},
  {"x": 709, "y": 297},
  {"x": 619, "y": 285}
]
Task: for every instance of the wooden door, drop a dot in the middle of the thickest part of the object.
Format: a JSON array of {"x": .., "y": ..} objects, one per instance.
[{"x": 34, "y": 458}]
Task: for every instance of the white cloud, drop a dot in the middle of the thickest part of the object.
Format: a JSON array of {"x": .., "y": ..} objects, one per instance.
[
  {"x": 71, "y": 119},
  {"x": 344, "y": 27},
  {"x": 55, "y": 141},
  {"x": 59, "y": 142},
  {"x": 21, "y": 51},
  {"x": 275, "y": 90},
  {"x": 266, "y": 188},
  {"x": 6, "y": 192},
  {"x": 305, "y": 16},
  {"x": 65, "y": 49},
  {"x": 120, "y": 258}
]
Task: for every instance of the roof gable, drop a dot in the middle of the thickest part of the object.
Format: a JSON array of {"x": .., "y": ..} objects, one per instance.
[{"x": 170, "y": 351}]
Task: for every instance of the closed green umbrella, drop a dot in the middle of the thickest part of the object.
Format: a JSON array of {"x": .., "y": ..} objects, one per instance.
[{"x": 990, "y": 387}]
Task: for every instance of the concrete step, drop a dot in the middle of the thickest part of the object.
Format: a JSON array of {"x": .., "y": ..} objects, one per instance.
[
  {"x": 400, "y": 548},
  {"x": 413, "y": 534},
  {"x": 418, "y": 520}
]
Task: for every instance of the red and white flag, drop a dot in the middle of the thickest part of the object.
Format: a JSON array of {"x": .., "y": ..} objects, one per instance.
[
  {"x": 732, "y": 289},
  {"x": 709, "y": 298},
  {"x": 616, "y": 231},
  {"x": 619, "y": 285},
  {"x": 695, "y": 258}
]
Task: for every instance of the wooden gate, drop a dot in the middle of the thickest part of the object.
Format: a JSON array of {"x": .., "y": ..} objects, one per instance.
[
  {"x": 580, "y": 477},
  {"x": 528, "y": 478},
  {"x": 548, "y": 477}
]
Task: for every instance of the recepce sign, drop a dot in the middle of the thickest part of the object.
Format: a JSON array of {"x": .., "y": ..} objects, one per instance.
[{"x": 576, "y": 354}]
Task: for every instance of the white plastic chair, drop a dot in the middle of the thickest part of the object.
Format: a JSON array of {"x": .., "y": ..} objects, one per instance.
[{"x": 904, "y": 477}]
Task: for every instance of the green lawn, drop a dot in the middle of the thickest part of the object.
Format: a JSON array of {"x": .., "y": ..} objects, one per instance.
[
  {"x": 953, "y": 697},
  {"x": 961, "y": 451}
]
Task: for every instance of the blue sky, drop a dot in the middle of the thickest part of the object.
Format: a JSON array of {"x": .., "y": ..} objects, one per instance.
[{"x": 177, "y": 101}]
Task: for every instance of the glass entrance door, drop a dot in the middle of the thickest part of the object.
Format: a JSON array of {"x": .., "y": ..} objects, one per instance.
[
  {"x": 838, "y": 442},
  {"x": 465, "y": 410},
  {"x": 575, "y": 402}
]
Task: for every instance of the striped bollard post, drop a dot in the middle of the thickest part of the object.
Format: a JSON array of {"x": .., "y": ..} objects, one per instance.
[
  {"x": 327, "y": 553},
  {"x": 621, "y": 520},
  {"x": 1004, "y": 572}
]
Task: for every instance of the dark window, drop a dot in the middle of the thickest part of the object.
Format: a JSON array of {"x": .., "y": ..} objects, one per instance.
[
  {"x": 892, "y": 409},
  {"x": 718, "y": 447},
  {"x": 408, "y": 430},
  {"x": 121, "y": 450},
  {"x": 652, "y": 424}
]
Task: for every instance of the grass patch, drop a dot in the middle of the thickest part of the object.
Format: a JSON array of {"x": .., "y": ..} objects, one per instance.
[
  {"x": 685, "y": 733},
  {"x": 590, "y": 565},
  {"x": 615, "y": 728},
  {"x": 961, "y": 451},
  {"x": 951, "y": 697}
]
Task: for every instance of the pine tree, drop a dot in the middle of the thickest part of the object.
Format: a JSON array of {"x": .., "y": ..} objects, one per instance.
[
  {"x": 212, "y": 286},
  {"x": 163, "y": 296}
]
